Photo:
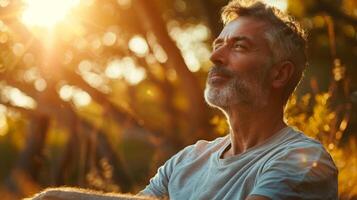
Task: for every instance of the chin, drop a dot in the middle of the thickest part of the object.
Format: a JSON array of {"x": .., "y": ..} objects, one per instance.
[
  {"x": 216, "y": 97},
  {"x": 225, "y": 97}
]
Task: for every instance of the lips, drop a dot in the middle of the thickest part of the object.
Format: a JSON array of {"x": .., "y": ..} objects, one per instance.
[
  {"x": 219, "y": 75},
  {"x": 217, "y": 78}
]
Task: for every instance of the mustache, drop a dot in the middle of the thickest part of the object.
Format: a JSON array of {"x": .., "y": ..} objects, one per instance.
[{"x": 221, "y": 71}]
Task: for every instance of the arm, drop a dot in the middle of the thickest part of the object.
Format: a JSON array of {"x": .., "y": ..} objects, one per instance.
[
  {"x": 66, "y": 193},
  {"x": 158, "y": 186}
]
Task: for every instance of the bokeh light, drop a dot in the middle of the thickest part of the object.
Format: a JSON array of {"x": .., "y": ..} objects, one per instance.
[
  {"x": 108, "y": 39},
  {"x": 4, "y": 3},
  {"x": 125, "y": 68},
  {"x": 40, "y": 84},
  {"x": 18, "y": 98},
  {"x": 79, "y": 97},
  {"x": 192, "y": 41},
  {"x": 138, "y": 45},
  {"x": 18, "y": 49}
]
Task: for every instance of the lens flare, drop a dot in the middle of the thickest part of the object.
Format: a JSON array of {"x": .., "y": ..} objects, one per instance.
[{"x": 46, "y": 13}]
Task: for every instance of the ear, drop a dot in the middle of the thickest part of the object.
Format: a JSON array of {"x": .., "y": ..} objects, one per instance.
[{"x": 281, "y": 74}]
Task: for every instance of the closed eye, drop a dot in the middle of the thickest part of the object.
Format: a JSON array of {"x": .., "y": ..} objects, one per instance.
[{"x": 238, "y": 45}]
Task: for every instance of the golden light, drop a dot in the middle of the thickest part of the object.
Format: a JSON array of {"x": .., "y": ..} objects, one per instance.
[
  {"x": 17, "y": 97},
  {"x": 46, "y": 13},
  {"x": 4, "y": 3},
  {"x": 191, "y": 61},
  {"x": 66, "y": 92},
  {"x": 40, "y": 84},
  {"x": 18, "y": 49},
  {"x": 3, "y": 125},
  {"x": 109, "y": 38},
  {"x": 280, "y": 4},
  {"x": 192, "y": 41},
  {"x": 79, "y": 97},
  {"x": 3, "y": 121},
  {"x": 127, "y": 69},
  {"x": 314, "y": 164},
  {"x": 138, "y": 45},
  {"x": 159, "y": 53}
]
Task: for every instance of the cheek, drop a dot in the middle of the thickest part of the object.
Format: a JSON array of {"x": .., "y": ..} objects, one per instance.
[
  {"x": 257, "y": 79},
  {"x": 251, "y": 68},
  {"x": 247, "y": 63}
]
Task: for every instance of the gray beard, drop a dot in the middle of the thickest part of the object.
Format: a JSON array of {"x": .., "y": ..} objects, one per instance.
[{"x": 234, "y": 92}]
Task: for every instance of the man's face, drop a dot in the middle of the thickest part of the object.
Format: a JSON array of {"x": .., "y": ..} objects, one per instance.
[{"x": 242, "y": 59}]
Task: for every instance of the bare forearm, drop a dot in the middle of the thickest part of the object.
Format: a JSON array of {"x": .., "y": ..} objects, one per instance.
[{"x": 66, "y": 193}]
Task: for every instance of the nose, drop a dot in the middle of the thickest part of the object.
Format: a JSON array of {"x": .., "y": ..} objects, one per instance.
[{"x": 219, "y": 56}]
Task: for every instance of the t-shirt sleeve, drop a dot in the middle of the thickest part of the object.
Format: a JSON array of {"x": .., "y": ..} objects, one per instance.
[
  {"x": 158, "y": 186},
  {"x": 306, "y": 172}
]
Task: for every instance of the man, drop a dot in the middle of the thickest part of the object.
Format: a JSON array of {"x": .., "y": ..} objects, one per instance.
[{"x": 258, "y": 58}]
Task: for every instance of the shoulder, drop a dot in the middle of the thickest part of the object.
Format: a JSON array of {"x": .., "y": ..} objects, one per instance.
[
  {"x": 204, "y": 145},
  {"x": 159, "y": 183},
  {"x": 201, "y": 147},
  {"x": 304, "y": 146},
  {"x": 303, "y": 152},
  {"x": 300, "y": 168},
  {"x": 191, "y": 152}
]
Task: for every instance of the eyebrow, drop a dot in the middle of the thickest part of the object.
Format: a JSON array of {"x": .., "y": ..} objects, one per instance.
[{"x": 234, "y": 39}]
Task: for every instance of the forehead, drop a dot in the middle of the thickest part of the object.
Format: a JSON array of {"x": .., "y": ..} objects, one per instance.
[{"x": 251, "y": 28}]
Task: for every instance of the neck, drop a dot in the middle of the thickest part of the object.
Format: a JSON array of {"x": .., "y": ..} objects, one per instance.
[{"x": 250, "y": 127}]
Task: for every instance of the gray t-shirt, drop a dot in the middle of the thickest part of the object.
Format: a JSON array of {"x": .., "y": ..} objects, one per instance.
[{"x": 289, "y": 165}]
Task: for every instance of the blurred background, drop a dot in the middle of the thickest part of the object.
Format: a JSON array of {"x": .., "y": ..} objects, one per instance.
[{"x": 99, "y": 93}]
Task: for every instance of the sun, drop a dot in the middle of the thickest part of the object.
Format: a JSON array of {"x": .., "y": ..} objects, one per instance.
[{"x": 46, "y": 13}]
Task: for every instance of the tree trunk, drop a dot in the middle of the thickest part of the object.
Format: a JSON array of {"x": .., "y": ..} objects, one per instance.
[
  {"x": 31, "y": 157},
  {"x": 152, "y": 22}
]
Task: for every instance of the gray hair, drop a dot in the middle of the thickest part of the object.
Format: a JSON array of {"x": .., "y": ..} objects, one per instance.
[{"x": 286, "y": 38}]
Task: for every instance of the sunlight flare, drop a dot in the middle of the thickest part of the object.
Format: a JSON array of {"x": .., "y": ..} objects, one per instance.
[{"x": 46, "y": 13}]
